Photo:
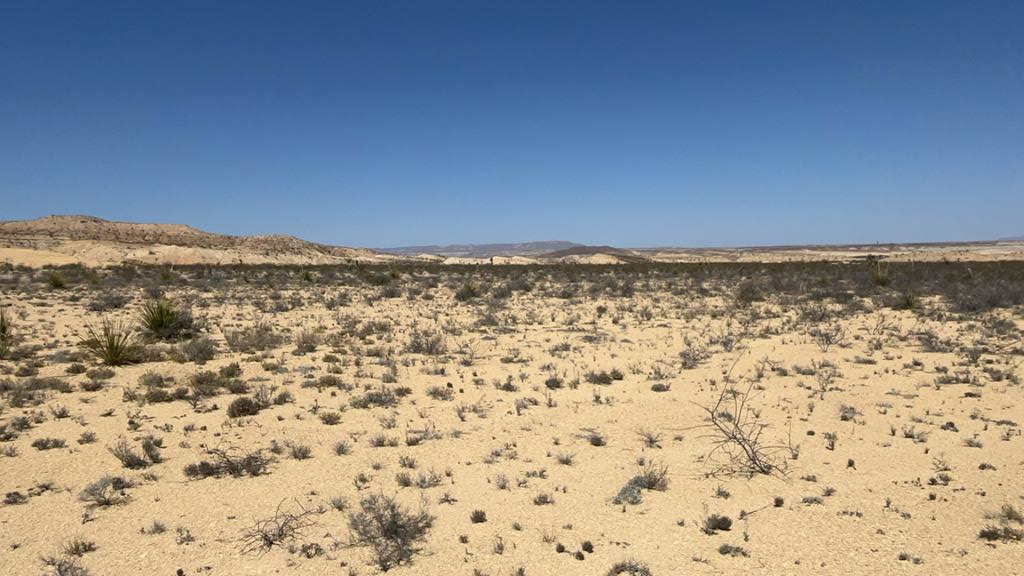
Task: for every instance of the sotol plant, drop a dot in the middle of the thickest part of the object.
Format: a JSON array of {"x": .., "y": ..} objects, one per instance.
[
  {"x": 6, "y": 332},
  {"x": 112, "y": 342},
  {"x": 163, "y": 320}
]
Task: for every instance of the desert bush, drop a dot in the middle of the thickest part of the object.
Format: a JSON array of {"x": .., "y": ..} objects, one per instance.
[
  {"x": 283, "y": 526},
  {"x": 243, "y": 406},
  {"x": 298, "y": 451},
  {"x": 232, "y": 370},
  {"x": 257, "y": 337},
  {"x": 427, "y": 342},
  {"x": 828, "y": 335},
  {"x": 330, "y": 418},
  {"x": 747, "y": 292},
  {"x": 736, "y": 432},
  {"x": 441, "y": 392},
  {"x": 198, "y": 350},
  {"x": 151, "y": 448},
  {"x": 113, "y": 343},
  {"x": 156, "y": 527},
  {"x": 107, "y": 301},
  {"x": 228, "y": 462},
  {"x": 727, "y": 549},
  {"x": 629, "y": 568},
  {"x": 127, "y": 456},
  {"x": 64, "y": 566},
  {"x": 713, "y": 523},
  {"x": 107, "y": 491},
  {"x": 379, "y": 398},
  {"x": 393, "y": 534},
  {"x": 1005, "y": 531},
  {"x": 651, "y": 477},
  {"x": 602, "y": 378},
  {"x": 77, "y": 547},
  {"x": 55, "y": 279},
  {"x": 100, "y": 374},
  {"x": 306, "y": 342},
  {"x": 879, "y": 272},
  {"x": 543, "y": 499},
  {"x": 468, "y": 291},
  {"x": 48, "y": 443},
  {"x": 6, "y": 333}
]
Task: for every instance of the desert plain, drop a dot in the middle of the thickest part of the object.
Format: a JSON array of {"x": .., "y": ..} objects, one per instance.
[{"x": 859, "y": 416}]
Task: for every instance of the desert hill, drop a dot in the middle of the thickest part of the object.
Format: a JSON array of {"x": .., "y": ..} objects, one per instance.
[
  {"x": 98, "y": 242},
  {"x": 57, "y": 240},
  {"x": 484, "y": 250}
]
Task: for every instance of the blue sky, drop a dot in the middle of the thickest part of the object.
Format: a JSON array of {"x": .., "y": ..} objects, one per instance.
[{"x": 385, "y": 123}]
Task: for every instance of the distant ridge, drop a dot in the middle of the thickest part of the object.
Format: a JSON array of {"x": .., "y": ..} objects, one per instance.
[
  {"x": 63, "y": 239},
  {"x": 81, "y": 239},
  {"x": 484, "y": 250},
  {"x": 595, "y": 255}
]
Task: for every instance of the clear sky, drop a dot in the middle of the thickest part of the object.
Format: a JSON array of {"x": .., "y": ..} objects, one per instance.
[{"x": 383, "y": 123}]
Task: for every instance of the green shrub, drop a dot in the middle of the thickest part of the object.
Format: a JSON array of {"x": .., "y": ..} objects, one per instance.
[
  {"x": 243, "y": 406},
  {"x": 198, "y": 350},
  {"x": 260, "y": 336},
  {"x": 468, "y": 291},
  {"x": 56, "y": 280}
]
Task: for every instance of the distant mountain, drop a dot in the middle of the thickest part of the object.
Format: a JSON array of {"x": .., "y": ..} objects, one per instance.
[
  {"x": 1012, "y": 239},
  {"x": 484, "y": 250}
]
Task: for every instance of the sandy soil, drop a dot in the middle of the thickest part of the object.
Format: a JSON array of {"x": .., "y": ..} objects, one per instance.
[{"x": 891, "y": 433}]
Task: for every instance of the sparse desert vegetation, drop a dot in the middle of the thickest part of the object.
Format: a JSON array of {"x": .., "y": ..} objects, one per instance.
[{"x": 424, "y": 419}]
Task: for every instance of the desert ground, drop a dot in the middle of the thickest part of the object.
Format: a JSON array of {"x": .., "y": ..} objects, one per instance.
[{"x": 655, "y": 418}]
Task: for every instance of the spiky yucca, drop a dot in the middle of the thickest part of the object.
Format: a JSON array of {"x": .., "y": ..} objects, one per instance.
[
  {"x": 6, "y": 333},
  {"x": 113, "y": 343},
  {"x": 162, "y": 319}
]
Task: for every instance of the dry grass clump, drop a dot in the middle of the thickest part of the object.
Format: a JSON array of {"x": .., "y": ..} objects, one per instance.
[
  {"x": 228, "y": 462},
  {"x": 281, "y": 527}
]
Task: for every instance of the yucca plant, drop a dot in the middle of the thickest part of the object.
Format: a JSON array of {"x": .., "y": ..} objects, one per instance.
[
  {"x": 162, "y": 319},
  {"x": 880, "y": 273},
  {"x": 6, "y": 333},
  {"x": 113, "y": 343}
]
